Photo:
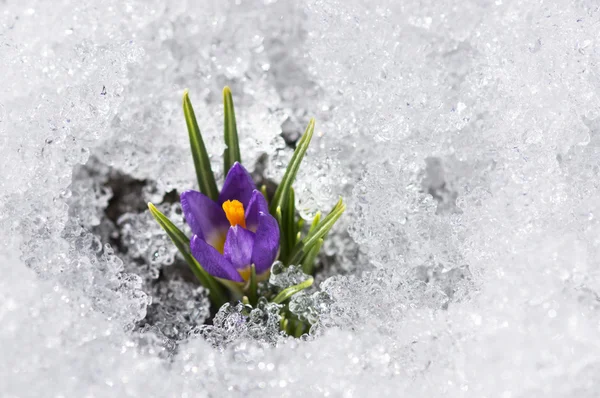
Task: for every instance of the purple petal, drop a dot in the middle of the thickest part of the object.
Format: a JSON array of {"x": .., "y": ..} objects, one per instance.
[
  {"x": 238, "y": 185},
  {"x": 205, "y": 217},
  {"x": 266, "y": 243},
  {"x": 212, "y": 261},
  {"x": 238, "y": 247},
  {"x": 257, "y": 204}
]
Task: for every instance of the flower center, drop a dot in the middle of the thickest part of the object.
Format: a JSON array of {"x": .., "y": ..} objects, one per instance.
[{"x": 234, "y": 211}]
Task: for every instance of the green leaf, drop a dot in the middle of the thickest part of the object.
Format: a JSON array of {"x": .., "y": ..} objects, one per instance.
[
  {"x": 288, "y": 218},
  {"x": 216, "y": 293},
  {"x": 317, "y": 233},
  {"x": 282, "y": 245},
  {"x": 235, "y": 288},
  {"x": 232, "y": 152},
  {"x": 283, "y": 190},
  {"x": 263, "y": 190},
  {"x": 206, "y": 178},
  {"x": 308, "y": 263},
  {"x": 315, "y": 222},
  {"x": 299, "y": 331},
  {"x": 290, "y": 291},
  {"x": 300, "y": 224},
  {"x": 253, "y": 286}
]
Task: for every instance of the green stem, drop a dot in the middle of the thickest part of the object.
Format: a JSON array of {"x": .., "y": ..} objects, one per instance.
[{"x": 204, "y": 174}]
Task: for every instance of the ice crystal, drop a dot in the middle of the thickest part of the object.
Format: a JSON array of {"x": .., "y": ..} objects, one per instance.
[{"x": 463, "y": 136}]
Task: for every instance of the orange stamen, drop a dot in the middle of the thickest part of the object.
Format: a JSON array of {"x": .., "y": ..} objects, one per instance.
[{"x": 234, "y": 211}]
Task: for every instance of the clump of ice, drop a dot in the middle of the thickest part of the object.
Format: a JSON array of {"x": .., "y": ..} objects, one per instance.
[
  {"x": 240, "y": 323},
  {"x": 462, "y": 137},
  {"x": 310, "y": 307},
  {"x": 178, "y": 307},
  {"x": 145, "y": 240},
  {"x": 283, "y": 277}
]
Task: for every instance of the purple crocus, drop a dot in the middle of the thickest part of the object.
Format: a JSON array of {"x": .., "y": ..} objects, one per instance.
[{"x": 235, "y": 232}]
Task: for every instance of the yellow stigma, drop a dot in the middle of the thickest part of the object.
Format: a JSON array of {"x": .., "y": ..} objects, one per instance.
[{"x": 234, "y": 211}]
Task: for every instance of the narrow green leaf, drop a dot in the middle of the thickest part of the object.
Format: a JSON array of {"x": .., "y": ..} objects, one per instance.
[
  {"x": 206, "y": 178},
  {"x": 324, "y": 226},
  {"x": 289, "y": 327},
  {"x": 289, "y": 225},
  {"x": 235, "y": 288},
  {"x": 283, "y": 190},
  {"x": 317, "y": 233},
  {"x": 315, "y": 222},
  {"x": 263, "y": 190},
  {"x": 232, "y": 152},
  {"x": 252, "y": 296},
  {"x": 216, "y": 293},
  {"x": 290, "y": 291},
  {"x": 278, "y": 216},
  {"x": 299, "y": 331},
  {"x": 282, "y": 245},
  {"x": 300, "y": 224},
  {"x": 308, "y": 263}
]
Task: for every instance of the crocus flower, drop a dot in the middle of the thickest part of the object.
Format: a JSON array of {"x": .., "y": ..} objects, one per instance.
[{"x": 235, "y": 232}]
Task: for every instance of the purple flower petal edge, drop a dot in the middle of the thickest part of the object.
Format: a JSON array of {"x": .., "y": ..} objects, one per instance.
[
  {"x": 204, "y": 216},
  {"x": 238, "y": 185},
  {"x": 266, "y": 243},
  {"x": 238, "y": 247},
  {"x": 212, "y": 261},
  {"x": 256, "y": 205}
]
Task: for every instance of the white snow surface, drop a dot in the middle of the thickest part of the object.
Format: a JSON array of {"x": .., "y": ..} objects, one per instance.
[{"x": 464, "y": 136}]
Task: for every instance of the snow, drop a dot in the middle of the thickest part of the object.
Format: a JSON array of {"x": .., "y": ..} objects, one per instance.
[{"x": 462, "y": 135}]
